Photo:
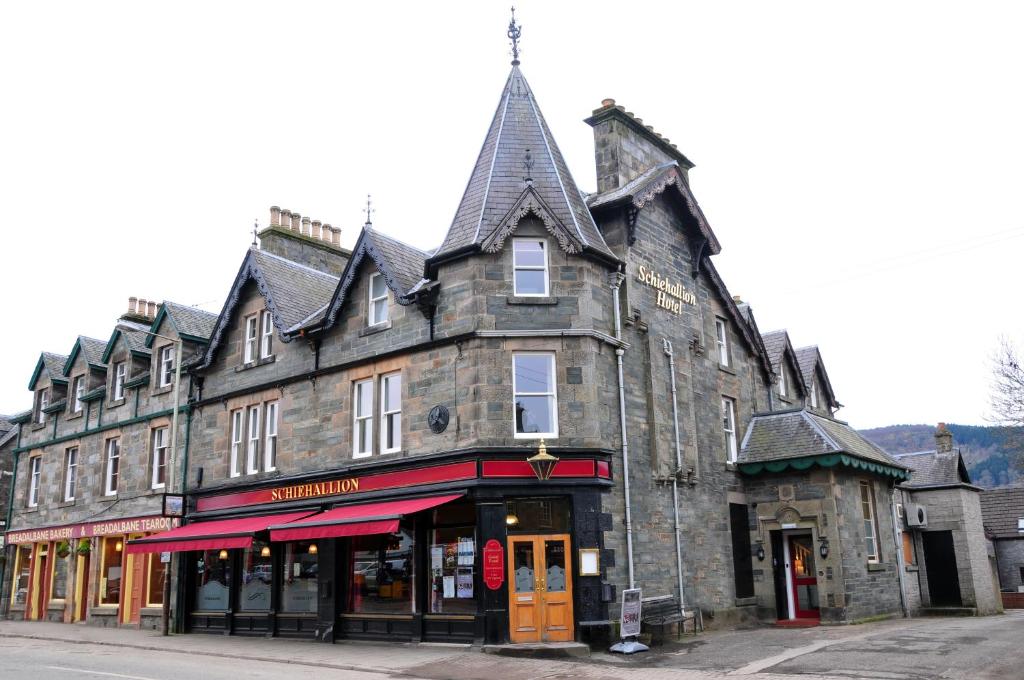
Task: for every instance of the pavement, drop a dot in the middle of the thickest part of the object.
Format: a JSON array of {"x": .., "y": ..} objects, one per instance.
[{"x": 916, "y": 649}]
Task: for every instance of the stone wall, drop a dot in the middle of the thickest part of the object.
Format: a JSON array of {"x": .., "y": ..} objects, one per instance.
[{"x": 1010, "y": 558}]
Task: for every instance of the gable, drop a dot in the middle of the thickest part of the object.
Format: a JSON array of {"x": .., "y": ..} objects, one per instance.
[
  {"x": 50, "y": 366},
  {"x": 531, "y": 203}
]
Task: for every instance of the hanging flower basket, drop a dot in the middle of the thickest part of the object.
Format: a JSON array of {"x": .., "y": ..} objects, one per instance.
[
  {"x": 84, "y": 546},
  {"x": 63, "y": 549}
]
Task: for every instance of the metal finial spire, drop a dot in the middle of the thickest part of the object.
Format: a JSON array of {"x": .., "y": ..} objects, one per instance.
[
  {"x": 369, "y": 211},
  {"x": 255, "y": 227},
  {"x": 514, "y": 31}
]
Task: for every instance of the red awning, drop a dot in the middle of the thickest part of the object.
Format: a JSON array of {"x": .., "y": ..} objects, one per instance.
[
  {"x": 213, "y": 535},
  {"x": 356, "y": 520}
]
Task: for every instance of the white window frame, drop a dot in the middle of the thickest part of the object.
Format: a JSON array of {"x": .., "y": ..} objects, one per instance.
[
  {"x": 252, "y": 447},
  {"x": 266, "y": 335},
  {"x": 77, "y": 391},
  {"x": 362, "y": 419},
  {"x": 250, "y": 340},
  {"x": 166, "y": 365},
  {"x": 814, "y": 393},
  {"x": 389, "y": 414},
  {"x": 70, "y": 473},
  {"x": 729, "y": 428},
  {"x": 270, "y": 441},
  {"x": 553, "y": 394},
  {"x": 159, "y": 442},
  {"x": 34, "y": 475},
  {"x": 782, "y": 381},
  {"x": 43, "y": 402},
  {"x": 237, "y": 436},
  {"x": 372, "y": 319},
  {"x": 722, "y": 341},
  {"x": 867, "y": 509},
  {"x": 112, "y": 479},
  {"x": 120, "y": 374},
  {"x": 518, "y": 267}
]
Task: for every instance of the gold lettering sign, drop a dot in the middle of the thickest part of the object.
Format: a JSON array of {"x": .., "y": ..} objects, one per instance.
[
  {"x": 332, "y": 488},
  {"x": 670, "y": 296}
]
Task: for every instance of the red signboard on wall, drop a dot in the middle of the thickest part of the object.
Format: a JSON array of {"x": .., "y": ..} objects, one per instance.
[{"x": 494, "y": 564}]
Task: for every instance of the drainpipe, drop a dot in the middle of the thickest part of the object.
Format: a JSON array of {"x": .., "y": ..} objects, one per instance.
[
  {"x": 617, "y": 279},
  {"x": 899, "y": 551},
  {"x": 675, "y": 476}
]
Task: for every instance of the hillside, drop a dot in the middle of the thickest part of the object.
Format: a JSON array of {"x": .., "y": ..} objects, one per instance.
[{"x": 994, "y": 455}]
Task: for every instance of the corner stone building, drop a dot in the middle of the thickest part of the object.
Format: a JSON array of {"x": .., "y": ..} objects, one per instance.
[{"x": 360, "y": 422}]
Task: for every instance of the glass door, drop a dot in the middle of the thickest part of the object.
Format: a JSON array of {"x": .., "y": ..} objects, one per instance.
[{"x": 540, "y": 592}]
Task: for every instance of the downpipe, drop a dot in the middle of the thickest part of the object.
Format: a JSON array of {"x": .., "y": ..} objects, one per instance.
[
  {"x": 617, "y": 279},
  {"x": 667, "y": 346}
]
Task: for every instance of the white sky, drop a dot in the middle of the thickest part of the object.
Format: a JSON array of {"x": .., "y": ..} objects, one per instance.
[{"x": 860, "y": 163}]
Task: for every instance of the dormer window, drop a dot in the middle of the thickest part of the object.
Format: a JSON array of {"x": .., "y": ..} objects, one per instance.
[
  {"x": 166, "y": 365},
  {"x": 266, "y": 335},
  {"x": 782, "y": 382},
  {"x": 78, "y": 389},
  {"x": 530, "y": 267},
  {"x": 814, "y": 393},
  {"x": 42, "y": 401},
  {"x": 251, "y": 326},
  {"x": 722, "y": 340},
  {"x": 378, "y": 299},
  {"x": 120, "y": 375}
]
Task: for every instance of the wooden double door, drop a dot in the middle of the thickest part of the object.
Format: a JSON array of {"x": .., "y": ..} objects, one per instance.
[{"x": 540, "y": 588}]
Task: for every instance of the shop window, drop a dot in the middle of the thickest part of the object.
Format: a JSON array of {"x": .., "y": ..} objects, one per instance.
[
  {"x": 530, "y": 263},
  {"x": 537, "y": 516},
  {"x": 381, "y": 573},
  {"x": 155, "y": 580},
  {"x": 213, "y": 581},
  {"x": 111, "y": 560},
  {"x": 59, "y": 578},
  {"x": 867, "y": 505},
  {"x": 257, "y": 577},
  {"x": 378, "y": 300},
  {"x": 391, "y": 413},
  {"x": 22, "y": 575},
  {"x": 298, "y": 582},
  {"x": 452, "y": 568},
  {"x": 533, "y": 384},
  {"x": 909, "y": 556}
]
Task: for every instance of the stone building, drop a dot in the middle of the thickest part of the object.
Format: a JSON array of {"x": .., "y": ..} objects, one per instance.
[
  {"x": 1002, "y": 512},
  {"x": 489, "y": 440},
  {"x": 90, "y": 470}
]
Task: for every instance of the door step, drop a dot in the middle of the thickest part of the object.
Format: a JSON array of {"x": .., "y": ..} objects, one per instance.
[
  {"x": 798, "y": 623},
  {"x": 541, "y": 650}
]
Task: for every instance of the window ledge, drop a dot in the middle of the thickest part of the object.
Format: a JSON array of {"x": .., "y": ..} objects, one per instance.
[
  {"x": 254, "y": 364},
  {"x": 531, "y": 300},
  {"x": 66, "y": 504},
  {"x": 72, "y": 415},
  {"x": 376, "y": 328},
  {"x": 38, "y": 426},
  {"x": 105, "y": 498},
  {"x": 876, "y": 566},
  {"x": 727, "y": 369},
  {"x": 161, "y": 390},
  {"x": 911, "y": 567},
  {"x": 104, "y": 610},
  {"x": 114, "y": 403}
]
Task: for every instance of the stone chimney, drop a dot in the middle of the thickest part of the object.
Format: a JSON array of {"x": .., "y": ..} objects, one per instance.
[
  {"x": 140, "y": 310},
  {"x": 304, "y": 240},
  {"x": 943, "y": 439},
  {"x": 625, "y": 148}
]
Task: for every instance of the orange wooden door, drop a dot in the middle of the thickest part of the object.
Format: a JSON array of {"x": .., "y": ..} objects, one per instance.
[
  {"x": 540, "y": 589},
  {"x": 132, "y": 604}
]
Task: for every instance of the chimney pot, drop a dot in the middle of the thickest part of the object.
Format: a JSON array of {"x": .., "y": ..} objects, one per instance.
[
  {"x": 329, "y": 233},
  {"x": 305, "y": 229},
  {"x": 607, "y": 102},
  {"x": 142, "y": 306},
  {"x": 133, "y": 304},
  {"x": 943, "y": 439},
  {"x": 151, "y": 310},
  {"x": 275, "y": 216},
  {"x": 317, "y": 232},
  {"x": 737, "y": 299},
  {"x": 296, "y": 222}
]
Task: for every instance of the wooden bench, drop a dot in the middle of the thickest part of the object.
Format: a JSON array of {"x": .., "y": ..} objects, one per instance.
[{"x": 665, "y": 609}]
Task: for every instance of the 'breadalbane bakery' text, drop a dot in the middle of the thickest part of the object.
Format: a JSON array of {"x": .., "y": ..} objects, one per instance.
[{"x": 671, "y": 296}]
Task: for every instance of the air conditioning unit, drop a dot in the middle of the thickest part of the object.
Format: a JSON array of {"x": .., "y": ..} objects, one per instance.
[{"x": 917, "y": 516}]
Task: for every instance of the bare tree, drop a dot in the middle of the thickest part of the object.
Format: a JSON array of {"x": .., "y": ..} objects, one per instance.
[{"x": 1007, "y": 400}]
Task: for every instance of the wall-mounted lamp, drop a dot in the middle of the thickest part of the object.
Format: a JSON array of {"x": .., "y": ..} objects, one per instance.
[
  {"x": 223, "y": 554},
  {"x": 265, "y": 551},
  {"x": 119, "y": 546},
  {"x": 823, "y": 548},
  {"x": 511, "y": 520},
  {"x": 760, "y": 553},
  {"x": 312, "y": 549},
  {"x": 543, "y": 463}
]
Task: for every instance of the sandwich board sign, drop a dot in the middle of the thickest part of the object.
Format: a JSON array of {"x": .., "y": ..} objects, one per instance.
[{"x": 629, "y": 623}]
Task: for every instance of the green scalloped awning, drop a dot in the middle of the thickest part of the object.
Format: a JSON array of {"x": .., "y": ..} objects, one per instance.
[{"x": 826, "y": 461}]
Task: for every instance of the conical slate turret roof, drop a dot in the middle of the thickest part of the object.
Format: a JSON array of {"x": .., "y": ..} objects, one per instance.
[{"x": 521, "y": 170}]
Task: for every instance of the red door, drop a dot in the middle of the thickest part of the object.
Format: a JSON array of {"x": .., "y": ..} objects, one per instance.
[{"x": 804, "y": 578}]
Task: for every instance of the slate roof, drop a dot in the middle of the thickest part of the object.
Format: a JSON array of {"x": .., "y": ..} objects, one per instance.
[
  {"x": 799, "y": 433},
  {"x": 776, "y": 343},
  {"x": 5, "y": 423},
  {"x": 190, "y": 321},
  {"x": 808, "y": 358},
  {"x": 91, "y": 349},
  {"x": 293, "y": 293},
  {"x": 53, "y": 364},
  {"x": 8, "y": 430},
  {"x": 649, "y": 184},
  {"x": 133, "y": 334},
  {"x": 401, "y": 264},
  {"x": 498, "y": 179},
  {"x": 1001, "y": 509},
  {"x": 931, "y": 469}
]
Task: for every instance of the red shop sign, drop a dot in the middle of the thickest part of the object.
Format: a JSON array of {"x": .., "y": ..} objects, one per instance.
[{"x": 494, "y": 565}]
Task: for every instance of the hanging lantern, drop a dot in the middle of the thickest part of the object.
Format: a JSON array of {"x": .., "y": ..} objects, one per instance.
[
  {"x": 119, "y": 546},
  {"x": 511, "y": 520},
  {"x": 543, "y": 464},
  {"x": 312, "y": 549},
  {"x": 265, "y": 551},
  {"x": 223, "y": 554}
]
